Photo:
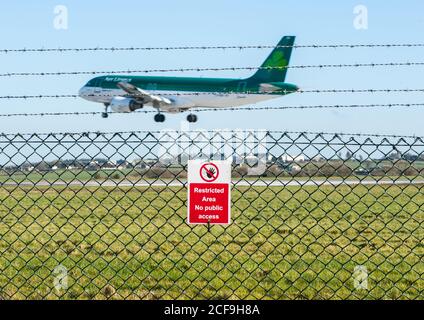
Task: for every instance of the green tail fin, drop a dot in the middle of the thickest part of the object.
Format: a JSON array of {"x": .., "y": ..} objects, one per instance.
[{"x": 279, "y": 57}]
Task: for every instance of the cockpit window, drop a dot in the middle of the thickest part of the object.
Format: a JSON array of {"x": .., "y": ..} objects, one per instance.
[{"x": 93, "y": 82}]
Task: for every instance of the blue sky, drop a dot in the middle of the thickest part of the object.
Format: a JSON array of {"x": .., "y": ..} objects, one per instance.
[{"x": 172, "y": 23}]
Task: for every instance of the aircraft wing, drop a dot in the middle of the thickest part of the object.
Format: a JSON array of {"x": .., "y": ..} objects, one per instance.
[{"x": 143, "y": 96}]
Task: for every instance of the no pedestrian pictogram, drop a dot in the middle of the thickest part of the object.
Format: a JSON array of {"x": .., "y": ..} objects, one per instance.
[{"x": 209, "y": 172}]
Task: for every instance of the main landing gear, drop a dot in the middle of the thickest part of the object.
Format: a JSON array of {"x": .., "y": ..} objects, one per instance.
[
  {"x": 159, "y": 117},
  {"x": 192, "y": 118}
]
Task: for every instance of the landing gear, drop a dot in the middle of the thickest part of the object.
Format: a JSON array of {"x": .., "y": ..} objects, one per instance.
[
  {"x": 192, "y": 118},
  {"x": 105, "y": 114},
  {"x": 159, "y": 117}
]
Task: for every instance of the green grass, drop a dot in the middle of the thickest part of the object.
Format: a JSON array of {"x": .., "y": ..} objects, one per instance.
[
  {"x": 62, "y": 175},
  {"x": 284, "y": 243}
]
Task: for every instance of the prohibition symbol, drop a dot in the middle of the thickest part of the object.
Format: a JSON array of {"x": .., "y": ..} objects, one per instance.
[{"x": 209, "y": 172}]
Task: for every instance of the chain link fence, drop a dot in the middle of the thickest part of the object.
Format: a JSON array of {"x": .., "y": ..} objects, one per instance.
[{"x": 314, "y": 216}]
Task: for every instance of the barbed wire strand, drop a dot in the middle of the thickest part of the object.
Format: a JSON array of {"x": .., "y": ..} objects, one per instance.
[
  {"x": 249, "y": 108},
  {"x": 130, "y": 71},
  {"x": 165, "y": 132},
  {"x": 300, "y": 91},
  {"x": 217, "y": 47}
]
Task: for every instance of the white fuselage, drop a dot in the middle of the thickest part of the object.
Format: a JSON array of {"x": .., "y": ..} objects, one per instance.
[{"x": 181, "y": 100}]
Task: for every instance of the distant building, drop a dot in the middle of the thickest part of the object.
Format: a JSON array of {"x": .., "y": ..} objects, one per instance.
[
  {"x": 396, "y": 155},
  {"x": 295, "y": 168},
  {"x": 167, "y": 160},
  {"x": 237, "y": 159},
  {"x": 318, "y": 158},
  {"x": 142, "y": 164},
  {"x": 123, "y": 164},
  {"x": 183, "y": 158},
  {"x": 271, "y": 158},
  {"x": 289, "y": 158}
]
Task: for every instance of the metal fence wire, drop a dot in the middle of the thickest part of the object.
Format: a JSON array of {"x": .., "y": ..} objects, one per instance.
[{"x": 314, "y": 216}]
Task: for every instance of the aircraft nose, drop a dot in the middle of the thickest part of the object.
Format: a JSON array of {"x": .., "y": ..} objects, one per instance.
[{"x": 82, "y": 92}]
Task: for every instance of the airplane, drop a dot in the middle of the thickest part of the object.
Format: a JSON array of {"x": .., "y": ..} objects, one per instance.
[{"x": 180, "y": 94}]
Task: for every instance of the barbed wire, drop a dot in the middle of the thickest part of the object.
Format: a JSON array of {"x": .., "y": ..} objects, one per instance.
[
  {"x": 130, "y": 71},
  {"x": 336, "y": 106},
  {"x": 248, "y": 108},
  {"x": 300, "y": 91},
  {"x": 217, "y": 47},
  {"x": 218, "y": 131}
]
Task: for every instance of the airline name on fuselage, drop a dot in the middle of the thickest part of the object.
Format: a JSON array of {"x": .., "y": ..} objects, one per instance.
[{"x": 117, "y": 79}]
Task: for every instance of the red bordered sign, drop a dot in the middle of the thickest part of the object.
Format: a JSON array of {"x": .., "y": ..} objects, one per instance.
[{"x": 209, "y": 192}]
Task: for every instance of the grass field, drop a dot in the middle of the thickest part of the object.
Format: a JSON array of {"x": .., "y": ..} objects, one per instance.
[
  {"x": 66, "y": 175},
  {"x": 284, "y": 243}
]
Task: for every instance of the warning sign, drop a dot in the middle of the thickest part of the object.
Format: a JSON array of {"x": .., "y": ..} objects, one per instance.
[{"x": 209, "y": 192}]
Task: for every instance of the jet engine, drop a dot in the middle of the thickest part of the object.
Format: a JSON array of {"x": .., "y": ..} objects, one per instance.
[{"x": 123, "y": 104}]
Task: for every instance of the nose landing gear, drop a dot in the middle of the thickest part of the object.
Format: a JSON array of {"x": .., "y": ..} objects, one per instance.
[
  {"x": 192, "y": 118},
  {"x": 105, "y": 114}
]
